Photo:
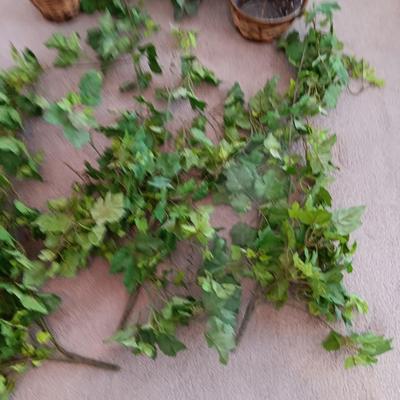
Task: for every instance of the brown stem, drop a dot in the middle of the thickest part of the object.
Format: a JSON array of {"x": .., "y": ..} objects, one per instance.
[
  {"x": 71, "y": 357},
  {"x": 130, "y": 304},
  {"x": 9, "y": 363},
  {"x": 77, "y": 173},
  {"x": 74, "y": 358},
  {"x": 319, "y": 318},
  {"x": 357, "y": 92},
  {"x": 93, "y": 146},
  {"x": 251, "y": 306}
]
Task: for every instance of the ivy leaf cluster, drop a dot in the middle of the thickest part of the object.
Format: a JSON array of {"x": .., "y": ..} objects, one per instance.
[
  {"x": 160, "y": 331},
  {"x": 193, "y": 73},
  {"x": 187, "y": 39},
  {"x": 185, "y": 7},
  {"x": 69, "y": 48},
  {"x": 90, "y": 6},
  {"x": 22, "y": 303},
  {"x": 18, "y": 100},
  {"x": 327, "y": 70},
  {"x": 121, "y": 33},
  {"x": 221, "y": 297},
  {"x": 74, "y": 113},
  {"x": 367, "y": 347}
]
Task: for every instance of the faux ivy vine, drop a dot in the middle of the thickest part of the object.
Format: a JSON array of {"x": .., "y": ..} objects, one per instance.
[{"x": 139, "y": 201}]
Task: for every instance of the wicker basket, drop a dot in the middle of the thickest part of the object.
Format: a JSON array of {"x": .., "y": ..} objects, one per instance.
[
  {"x": 262, "y": 29},
  {"x": 57, "y": 10}
]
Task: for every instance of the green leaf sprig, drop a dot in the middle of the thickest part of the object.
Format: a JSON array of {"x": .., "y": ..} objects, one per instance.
[
  {"x": 193, "y": 73},
  {"x": 75, "y": 113},
  {"x": 122, "y": 33},
  {"x": 18, "y": 100},
  {"x": 69, "y": 48},
  {"x": 185, "y": 7}
]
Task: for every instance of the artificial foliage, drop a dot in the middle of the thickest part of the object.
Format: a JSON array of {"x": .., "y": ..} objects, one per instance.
[{"x": 139, "y": 202}]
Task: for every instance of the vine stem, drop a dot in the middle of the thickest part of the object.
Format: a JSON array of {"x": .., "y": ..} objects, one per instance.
[
  {"x": 93, "y": 146},
  {"x": 9, "y": 363},
  {"x": 248, "y": 312},
  {"x": 71, "y": 357},
  {"x": 130, "y": 304},
  {"x": 77, "y": 173},
  {"x": 320, "y": 319},
  {"x": 363, "y": 86}
]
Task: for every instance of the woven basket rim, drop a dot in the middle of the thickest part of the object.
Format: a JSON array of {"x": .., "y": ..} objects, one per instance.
[{"x": 271, "y": 21}]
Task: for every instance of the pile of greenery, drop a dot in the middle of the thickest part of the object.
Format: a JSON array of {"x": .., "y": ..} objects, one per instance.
[{"x": 138, "y": 201}]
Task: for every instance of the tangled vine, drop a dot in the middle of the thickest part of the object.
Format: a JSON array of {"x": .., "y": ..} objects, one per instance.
[{"x": 139, "y": 201}]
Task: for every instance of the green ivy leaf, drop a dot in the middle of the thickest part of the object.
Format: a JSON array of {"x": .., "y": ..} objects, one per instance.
[
  {"x": 272, "y": 186},
  {"x": 221, "y": 336},
  {"x": 152, "y": 58},
  {"x": 367, "y": 347},
  {"x": 240, "y": 202},
  {"x": 221, "y": 300},
  {"x": 74, "y": 121},
  {"x": 243, "y": 235},
  {"x": 90, "y": 6},
  {"x": 310, "y": 216},
  {"x": 326, "y": 8},
  {"x": 108, "y": 209},
  {"x": 169, "y": 345},
  {"x": 53, "y": 223},
  {"x": 10, "y": 118},
  {"x": 5, "y": 236},
  {"x": 200, "y": 137},
  {"x": 77, "y": 138},
  {"x": 161, "y": 182},
  {"x": 239, "y": 178},
  {"x": 266, "y": 100},
  {"x": 347, "y": 220},
  {"x": 90, "y": 87},
  {"x": 333, "y": 342},
  {"x": 332, "y": 95},
  {"x": 197, "y": 73}
]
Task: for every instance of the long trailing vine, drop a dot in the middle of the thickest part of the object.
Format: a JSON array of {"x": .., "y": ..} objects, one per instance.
[{"x": 149, "y": 193}]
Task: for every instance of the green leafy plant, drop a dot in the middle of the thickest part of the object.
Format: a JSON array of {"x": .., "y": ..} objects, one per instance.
[{"x": 139, "y": 203}]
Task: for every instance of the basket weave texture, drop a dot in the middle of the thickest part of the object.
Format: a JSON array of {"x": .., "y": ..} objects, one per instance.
[
  {"x": 57, "y": 10},
  {"x": 263, "y": 29}
]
